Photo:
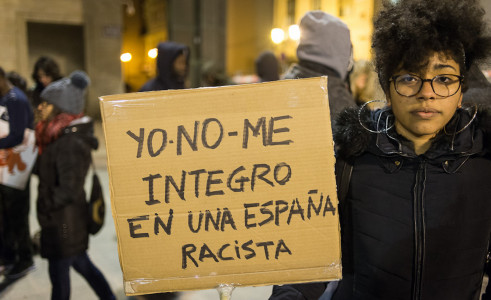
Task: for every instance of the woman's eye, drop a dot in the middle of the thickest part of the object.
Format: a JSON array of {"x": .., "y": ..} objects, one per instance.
[
  {"x": 444, "y": 79},
  {"x": 407, "y": 79},
  {"x": 441, "y": 79}
]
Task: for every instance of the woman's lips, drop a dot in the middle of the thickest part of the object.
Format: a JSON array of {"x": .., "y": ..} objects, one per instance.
[{"x": 425, "y": 113}]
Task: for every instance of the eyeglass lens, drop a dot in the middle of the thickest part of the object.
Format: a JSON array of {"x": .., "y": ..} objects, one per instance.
[{"x": 443, "y": 85}]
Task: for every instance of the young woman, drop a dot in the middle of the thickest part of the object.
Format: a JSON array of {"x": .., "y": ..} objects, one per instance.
[
  {"x": 65, "y": 140},
  {"x": 46, "y": 70},
  {"x": 416, "y": 216}
]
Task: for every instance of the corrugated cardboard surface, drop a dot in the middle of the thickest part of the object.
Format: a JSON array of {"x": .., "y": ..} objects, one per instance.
[{"x": 256, "y": 162}]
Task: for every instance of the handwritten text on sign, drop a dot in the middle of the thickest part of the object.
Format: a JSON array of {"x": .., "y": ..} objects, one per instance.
[
  {"x": 223, "y": 185},
  {"x": 216, "y": 184}
]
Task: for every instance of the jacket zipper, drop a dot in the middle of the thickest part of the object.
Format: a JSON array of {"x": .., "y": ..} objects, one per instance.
[{"x": 419, "y": 230}]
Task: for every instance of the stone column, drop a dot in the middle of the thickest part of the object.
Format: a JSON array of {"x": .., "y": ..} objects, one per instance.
[{"x": 103, "y": 21}]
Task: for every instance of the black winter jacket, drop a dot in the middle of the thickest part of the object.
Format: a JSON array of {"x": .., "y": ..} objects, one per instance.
[
  {"x": 414, "y": 226},
  {"x": 61, "y": 204}
]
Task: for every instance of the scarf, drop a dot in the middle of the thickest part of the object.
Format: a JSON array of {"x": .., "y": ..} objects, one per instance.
[{"x": 47, "y": 131}]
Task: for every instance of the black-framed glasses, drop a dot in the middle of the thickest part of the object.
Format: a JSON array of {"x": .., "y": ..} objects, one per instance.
[{"x": 443, "y": 85}]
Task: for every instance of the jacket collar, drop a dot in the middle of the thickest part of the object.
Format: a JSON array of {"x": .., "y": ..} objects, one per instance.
[
  {"x": 84, "y": 127},
  {"x": 352, "y": 138}
]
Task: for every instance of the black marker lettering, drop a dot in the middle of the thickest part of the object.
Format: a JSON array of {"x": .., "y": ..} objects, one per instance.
[
  {"x": 261, "y": 124},
  {"x": 180, "y": 191},
  {"x": 287, "y": 176},
  {"x": 246, "y": 247},
  {"x": 271, "y": 131},
  {"x": 298, "y": 211},
  {"x": 134, "y": 227},
  {"x": 192, "y": 143},
  {"x": 227, "y": 219},
  {"x": 206, "y": 253},
  {"x": 205, "y": 130},
  {"x": 261, "y": 175},
  {"x": 211, "y": 181},
  {"x": 265, "y": 245},
  {"x": 249, "y": 216},
  {"x": 196, "y": 180},
  {"x": 186, "y": 252},
  {"x": 220, "y": 253},
  {"x": 190, "y": 222},
  {"x": 281, "y": 247},
  {"x": 162, "y": 144},
  {"x": 159, "y": 223},
  {"x": 151, "y": 200},
  {"x": 140, "y": 139}
]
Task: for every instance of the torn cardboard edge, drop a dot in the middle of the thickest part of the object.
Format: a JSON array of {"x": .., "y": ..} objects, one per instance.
[{"x": 146, "y": 286}]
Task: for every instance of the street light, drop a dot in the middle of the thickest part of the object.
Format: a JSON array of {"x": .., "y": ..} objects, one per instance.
[
  {"x": 152, "y": 53},
  {"x": 125, "y": 57},
  {"x": 294, "y": 32},
  {"x": 277, "y": 35}
]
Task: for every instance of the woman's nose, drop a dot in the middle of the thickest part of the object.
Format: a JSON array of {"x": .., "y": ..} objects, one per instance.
[{"x": 426, "y": 91}]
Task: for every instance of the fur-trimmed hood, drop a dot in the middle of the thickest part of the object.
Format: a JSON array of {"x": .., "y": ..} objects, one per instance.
[{"x": 352, "y": 138}]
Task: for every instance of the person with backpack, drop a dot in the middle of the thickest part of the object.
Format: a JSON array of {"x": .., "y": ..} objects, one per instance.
[
  {"x": 416, "y": 215},
  {"x": 65, "y": 139}
]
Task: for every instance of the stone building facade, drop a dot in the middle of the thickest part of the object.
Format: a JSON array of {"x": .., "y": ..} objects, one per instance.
[{"x": 78, "y": 34}]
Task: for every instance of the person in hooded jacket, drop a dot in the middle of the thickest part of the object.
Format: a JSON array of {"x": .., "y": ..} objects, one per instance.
[
  {"x": 325, "y": 49},
  {"x": 65, "y": 139},
  {"x": 172, "y": 68},
  {"x": 413, "y": 177}
]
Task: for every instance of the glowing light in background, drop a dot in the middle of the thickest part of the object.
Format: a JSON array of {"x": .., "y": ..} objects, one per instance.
[
  {"x": 277, "y": 35},
  {"x": 294, "y": 32},
  {"x": 125, "y": 57},
  {"x": 152, "y": 53}
]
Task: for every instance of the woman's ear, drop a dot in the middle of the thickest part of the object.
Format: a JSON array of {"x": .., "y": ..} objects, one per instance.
[{"x": 459, "y": 105}]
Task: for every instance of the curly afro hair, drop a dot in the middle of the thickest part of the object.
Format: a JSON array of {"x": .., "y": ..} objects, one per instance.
[{"x": 407, "y": 33}]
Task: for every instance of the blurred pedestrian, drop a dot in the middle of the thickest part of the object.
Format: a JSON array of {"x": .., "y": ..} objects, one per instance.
[
  {"x": 65, "y": 139},
  {"x": 14, "y": 203},
  {"x": 267, "y": 67},
  {"x": 479, "y": 88},
  {"x": 325, "y": 49},
  {"x": 172, "y": 68},
  {"x": 17, "y": 80},
  {"x": 46, "y": 70},
  {"x": 212, "y": 75},
  {"x": 364, "y": 83}
]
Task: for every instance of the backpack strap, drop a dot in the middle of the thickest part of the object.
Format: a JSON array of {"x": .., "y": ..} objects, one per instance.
[{"x": 344, "y": 169}]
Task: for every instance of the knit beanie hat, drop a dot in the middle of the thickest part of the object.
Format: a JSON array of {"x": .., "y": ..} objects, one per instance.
[
  {"x": 325, "y": 39},
  {"x": 68, "y": 93}
]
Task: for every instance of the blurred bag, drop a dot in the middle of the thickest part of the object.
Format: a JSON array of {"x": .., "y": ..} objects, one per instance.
[{"x": 96, "y": 205}]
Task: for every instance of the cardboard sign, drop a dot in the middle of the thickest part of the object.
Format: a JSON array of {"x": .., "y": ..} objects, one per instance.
[
  {"x": 16, "y": 163},
  {"x": 230, "y": 185}
]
